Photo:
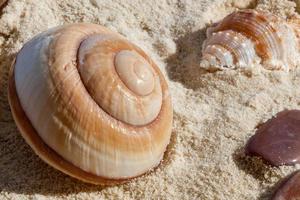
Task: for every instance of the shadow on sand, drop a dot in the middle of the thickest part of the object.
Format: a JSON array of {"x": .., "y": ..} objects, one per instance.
[{"x": 183, "y": 66}]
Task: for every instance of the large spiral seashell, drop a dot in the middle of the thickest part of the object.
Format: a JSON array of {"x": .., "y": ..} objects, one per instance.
[
  {"x": 90, "y": 103},
  {"x": 248, "y": 37}
]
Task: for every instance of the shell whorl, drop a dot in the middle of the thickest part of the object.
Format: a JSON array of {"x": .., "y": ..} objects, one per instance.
[
  {"x": 94, "y": 98},
  {"x": 131, "y": 90},
  {"x": 248, "y": 37}
]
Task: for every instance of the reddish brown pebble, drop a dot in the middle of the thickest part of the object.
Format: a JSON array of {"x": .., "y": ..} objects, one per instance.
[
  {"x": 278, "y": 140},
  {"x": 289, "y": 189}
]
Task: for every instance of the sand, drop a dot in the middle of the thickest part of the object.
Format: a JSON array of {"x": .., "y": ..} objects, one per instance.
[{"x": 214, "y": 113}]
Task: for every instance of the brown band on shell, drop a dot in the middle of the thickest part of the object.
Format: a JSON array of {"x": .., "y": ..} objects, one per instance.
[{"x": 41, "y": 148}]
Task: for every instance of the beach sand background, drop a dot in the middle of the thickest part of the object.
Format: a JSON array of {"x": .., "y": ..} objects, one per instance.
[{"x": 214, "y": 113}]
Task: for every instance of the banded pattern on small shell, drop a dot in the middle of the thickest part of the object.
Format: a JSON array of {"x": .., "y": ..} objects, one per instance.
[
  {"x": 229, "y": 48},
  {"x": 248, "y": 37}
]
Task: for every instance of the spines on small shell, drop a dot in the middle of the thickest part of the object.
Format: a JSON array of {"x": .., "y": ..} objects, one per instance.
[{"x": 251, "y": 37}]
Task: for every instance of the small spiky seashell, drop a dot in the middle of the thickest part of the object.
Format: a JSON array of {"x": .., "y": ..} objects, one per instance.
[
  {"x": 91, "y": 103},
  {"x": 248, "y": 37}
]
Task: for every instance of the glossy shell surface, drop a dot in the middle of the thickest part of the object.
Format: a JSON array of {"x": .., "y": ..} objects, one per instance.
[{"x": 90, "y": 103}]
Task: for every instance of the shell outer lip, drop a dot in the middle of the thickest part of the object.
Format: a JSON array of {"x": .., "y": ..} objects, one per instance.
[{"x": 46, "y": 153}]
